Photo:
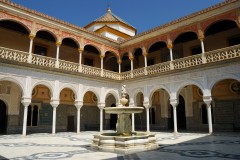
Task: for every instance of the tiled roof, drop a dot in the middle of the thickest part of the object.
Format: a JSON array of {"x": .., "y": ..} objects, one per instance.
[{"x": 110, "y": 17}]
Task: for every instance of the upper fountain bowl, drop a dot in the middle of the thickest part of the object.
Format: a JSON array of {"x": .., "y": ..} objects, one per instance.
[{"x": 123, "y": 110}]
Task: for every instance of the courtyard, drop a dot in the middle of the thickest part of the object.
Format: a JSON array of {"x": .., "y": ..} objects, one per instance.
[{"x": 67, "y": 145}]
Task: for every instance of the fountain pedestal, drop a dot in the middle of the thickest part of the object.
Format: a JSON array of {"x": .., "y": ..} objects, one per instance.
[{"x": 124, "y": 140}]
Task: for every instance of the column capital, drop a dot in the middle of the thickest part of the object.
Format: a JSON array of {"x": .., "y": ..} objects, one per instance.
[
  {"x": 146, "y": 105},
  {"x": 119, "y": 61},
  {"x": 58, "y": 43},
  {"x": 101, "y": 56},
  {"x": 169, "y": 45},
  {"x": 131, "y": 57},
  {"x": 54, "y": 103},
  {"x": 26, "y": 101},
  {"x": 78, "y": 104},
  {"x": 144, "y": 51},
  {"x": 174, "y": 102},
  {"x": 101, "y": 105},
  {"x": 31, "y": 36},
  {"x": 207, "y": 100},
  {"x": 80, "y": 50},
  {"x": 201, "y": 35}
]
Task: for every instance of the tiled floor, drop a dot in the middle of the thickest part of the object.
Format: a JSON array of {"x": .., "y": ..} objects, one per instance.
[{"x": 186, "y": 146}]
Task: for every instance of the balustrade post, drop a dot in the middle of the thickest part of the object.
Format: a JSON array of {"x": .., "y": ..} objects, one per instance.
[
  {"x": 31, "y": 36},
  {"x": 80, "y": 50},
  {"x": 57, "y": 55}
]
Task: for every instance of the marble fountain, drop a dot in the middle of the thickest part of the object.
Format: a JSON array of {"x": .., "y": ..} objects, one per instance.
[{"x": 123, "y": 140}]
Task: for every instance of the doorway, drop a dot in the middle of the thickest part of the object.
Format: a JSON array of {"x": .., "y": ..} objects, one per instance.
[
  {"x": 3, "y": 117},
  {"x": 70, "y": 123},
  {"x": 113, "y": 119}
]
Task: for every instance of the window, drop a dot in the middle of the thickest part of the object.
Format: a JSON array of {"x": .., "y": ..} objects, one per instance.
[
  {"x": 40, "y": 50},
  {"x": 196, "y": 50},
  {"x": 234, "y": 41},
  {"x": 88, "y": 62},
  {"x": 32, "y": 117},
  {"x": 150, "y": 62}
]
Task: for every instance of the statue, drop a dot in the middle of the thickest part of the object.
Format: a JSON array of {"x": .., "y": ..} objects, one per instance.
[{"x": 124, "y": 92}]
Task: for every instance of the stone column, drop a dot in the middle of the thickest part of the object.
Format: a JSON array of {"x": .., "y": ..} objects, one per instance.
[
  {"x": 31, "y": 36},
  {"x": 208, "y": 101},
  {"x": 78, "y": 106},
  {"x": 26, "y": 102},
  {"x": 131, "y": 59},
  {"x": 201, "y": 38},
  {"x": 101, "y": 106},
  {"x": 133, "y": 122},
  {"x": 54, "y": 105},
  {"x": 174, "y": 103},
  {"x": 101, "y": 56},
  {"x": 145, "y": 60},
  {"x": 80, "y": 50},
  {"x": 57, "y": 54},
  {"x": 119, "y": 65},
  {"x": 147, "y": 106},
  {"x": 170, "y": 47}
]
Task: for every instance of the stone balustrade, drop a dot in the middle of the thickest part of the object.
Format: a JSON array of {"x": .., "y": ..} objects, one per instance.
[{"x": 186, "y": 62}]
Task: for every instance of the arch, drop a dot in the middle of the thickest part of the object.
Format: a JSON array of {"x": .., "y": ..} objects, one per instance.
[
  {"x": 69, "y": 86},
  {"x": 92, "y": 45},
  {"x": 45, "y": 83},
  {"x": 187, "y": 83},
  {"x": 185, "y": 36},
  {"x": 220, "y": 78},
  {"x": 92, "y": 90},
  {"x": 49, "y": 32},
  {"x": 156, "y": 43},
  {"x": 16, "y": 81},
  {"x": 114, "y": 93},
  {"x": 137, "y": 50},
  {"x": 19, "y": 22},
  {"x": 124, "y": 54},
  {"x": 73, "y": 39},
  {"x": 136, "y": 92},
  {"x": 111, "y": 52},
  {"x": 155, "y": 88},
  {"x": 218, "y": 22}
]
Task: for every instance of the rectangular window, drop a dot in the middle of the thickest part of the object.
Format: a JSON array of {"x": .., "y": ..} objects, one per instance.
[
  {"x": 196, "y": 50},
  {"x": 88, "y": 62},
  {"x": 40, "y": 50}
]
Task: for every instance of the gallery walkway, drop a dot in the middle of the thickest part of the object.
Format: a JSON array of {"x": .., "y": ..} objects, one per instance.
[{"x": 187, "y": 146}]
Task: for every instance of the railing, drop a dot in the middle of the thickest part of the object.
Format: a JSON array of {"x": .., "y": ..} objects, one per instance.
[
  {"x": 188, "y": 61},
  {"x": 208, "y": 57},
  {"x": 111, "y": 75},
  {"x": 223, "y": 54},
  {"x": 43, "y": 61},
  {"x": 91, "y": 70},
  {"x": 68, "y": 66},
  {"x": 158, "y": 68},
  {"x": 15, "y": 55}
]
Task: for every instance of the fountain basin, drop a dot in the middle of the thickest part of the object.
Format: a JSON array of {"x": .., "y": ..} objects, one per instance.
[
  {"x": 123, "y": 110},
  {"x": 137, "y": 142}
]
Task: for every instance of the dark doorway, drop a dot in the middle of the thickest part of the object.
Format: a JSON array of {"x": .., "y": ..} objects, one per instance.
[
  {"x": 70, "y": 124},
  {"x": 113, "y": 119},
  {"x": 3, "y": 117},
  {"x": 181, "y": 117},
  {"x": 35, "y": 116}
]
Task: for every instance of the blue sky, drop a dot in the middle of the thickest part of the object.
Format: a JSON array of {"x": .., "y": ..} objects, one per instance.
[{"x": 142, "y": 14}]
